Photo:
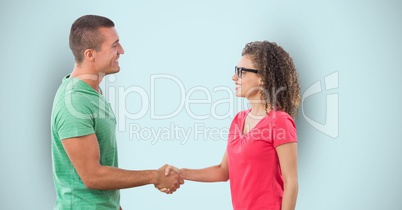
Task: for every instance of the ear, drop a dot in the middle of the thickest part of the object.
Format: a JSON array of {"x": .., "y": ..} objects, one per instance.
[
  {"x": 261, "y": 82},
  {"x": 89, "y": 55}
]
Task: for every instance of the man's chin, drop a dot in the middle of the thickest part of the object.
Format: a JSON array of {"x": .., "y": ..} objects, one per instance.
[{"x": 113, "y": 71}]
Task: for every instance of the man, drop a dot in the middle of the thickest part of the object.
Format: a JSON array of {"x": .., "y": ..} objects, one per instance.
[{"x": 84, "y": 152}]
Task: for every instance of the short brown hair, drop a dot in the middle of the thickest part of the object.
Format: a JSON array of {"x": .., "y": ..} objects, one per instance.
[
  {"x": 84, "y": 34},
  {"x": 280, "y": 80}
]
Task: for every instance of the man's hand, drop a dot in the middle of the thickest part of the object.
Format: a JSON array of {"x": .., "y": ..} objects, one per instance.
[
  {"x": 168, "y": 170},
  {"x": 168, "y": 180}
]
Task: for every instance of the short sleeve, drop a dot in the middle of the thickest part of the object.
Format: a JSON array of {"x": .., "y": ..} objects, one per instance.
[
  {"x": 74, "y": 116},
  {"x": 284, "y": 130}
]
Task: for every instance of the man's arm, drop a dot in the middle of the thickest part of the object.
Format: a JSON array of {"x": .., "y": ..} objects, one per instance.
[{"x": 84, "y": 154}]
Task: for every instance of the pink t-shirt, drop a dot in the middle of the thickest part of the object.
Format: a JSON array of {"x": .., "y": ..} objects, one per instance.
[{"x": 255, "y": 176}]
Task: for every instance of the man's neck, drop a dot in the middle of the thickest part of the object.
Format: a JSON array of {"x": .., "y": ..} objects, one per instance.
[{"x": 88, "y": 75}]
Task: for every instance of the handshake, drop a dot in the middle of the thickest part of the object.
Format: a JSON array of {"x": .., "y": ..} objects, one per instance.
[{"x": 169, "y": 179}]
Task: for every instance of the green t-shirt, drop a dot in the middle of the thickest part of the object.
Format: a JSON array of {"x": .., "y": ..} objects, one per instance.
[{"x": 79, "y": 110}]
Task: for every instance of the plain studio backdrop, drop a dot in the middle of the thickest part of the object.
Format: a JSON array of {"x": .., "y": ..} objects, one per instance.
[{"x": 174, "y": 95}]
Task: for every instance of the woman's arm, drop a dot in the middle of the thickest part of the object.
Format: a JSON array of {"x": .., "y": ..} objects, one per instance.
[
  {"x": 287, "y": 154},
  {"x": 215, "y": 173}
]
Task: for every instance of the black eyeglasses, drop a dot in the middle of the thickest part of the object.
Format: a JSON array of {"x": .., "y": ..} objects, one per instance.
[{"x": 239, "y": 71}]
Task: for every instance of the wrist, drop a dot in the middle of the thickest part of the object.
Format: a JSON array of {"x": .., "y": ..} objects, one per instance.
[
  {"x": 183, "y": 172},
  {"x": 154, "y": 177}
]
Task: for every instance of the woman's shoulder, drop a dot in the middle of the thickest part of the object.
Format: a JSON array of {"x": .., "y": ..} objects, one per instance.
[{"x": 280, "y": 116}]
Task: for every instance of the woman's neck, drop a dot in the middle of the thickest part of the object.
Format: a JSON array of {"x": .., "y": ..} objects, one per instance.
[{"x": 258, "y": 110}]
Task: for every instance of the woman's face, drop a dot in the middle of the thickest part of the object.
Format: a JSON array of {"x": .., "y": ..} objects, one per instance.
[{"x": 249, "y": 85}]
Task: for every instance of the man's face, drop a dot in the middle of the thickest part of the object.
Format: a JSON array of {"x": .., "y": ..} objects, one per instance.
[{"x": 106, "y": 59}]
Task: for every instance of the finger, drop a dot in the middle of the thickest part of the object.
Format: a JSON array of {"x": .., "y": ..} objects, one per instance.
[
  {"x": 164, "y": 166},
  {"x": 163, "y": 189},
  {"x": 181, "y": 180},
  {"x": 167, "y": 170},
  {"x": 176, "y": 170}
]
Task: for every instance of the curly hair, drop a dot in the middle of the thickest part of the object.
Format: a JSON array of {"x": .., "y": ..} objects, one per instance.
[{"x": 280, "y": 89}]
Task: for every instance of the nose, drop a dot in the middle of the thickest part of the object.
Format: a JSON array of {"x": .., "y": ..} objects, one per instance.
[
  {"x": 235, "y": 77},
  {"x": 121, "y": 50}
]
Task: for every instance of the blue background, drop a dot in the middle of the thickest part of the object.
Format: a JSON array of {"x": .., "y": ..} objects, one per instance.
[{"x": 199, "y": 43}]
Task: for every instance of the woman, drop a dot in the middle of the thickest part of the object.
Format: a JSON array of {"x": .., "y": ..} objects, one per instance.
[{"x": 261, "y": 155}]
